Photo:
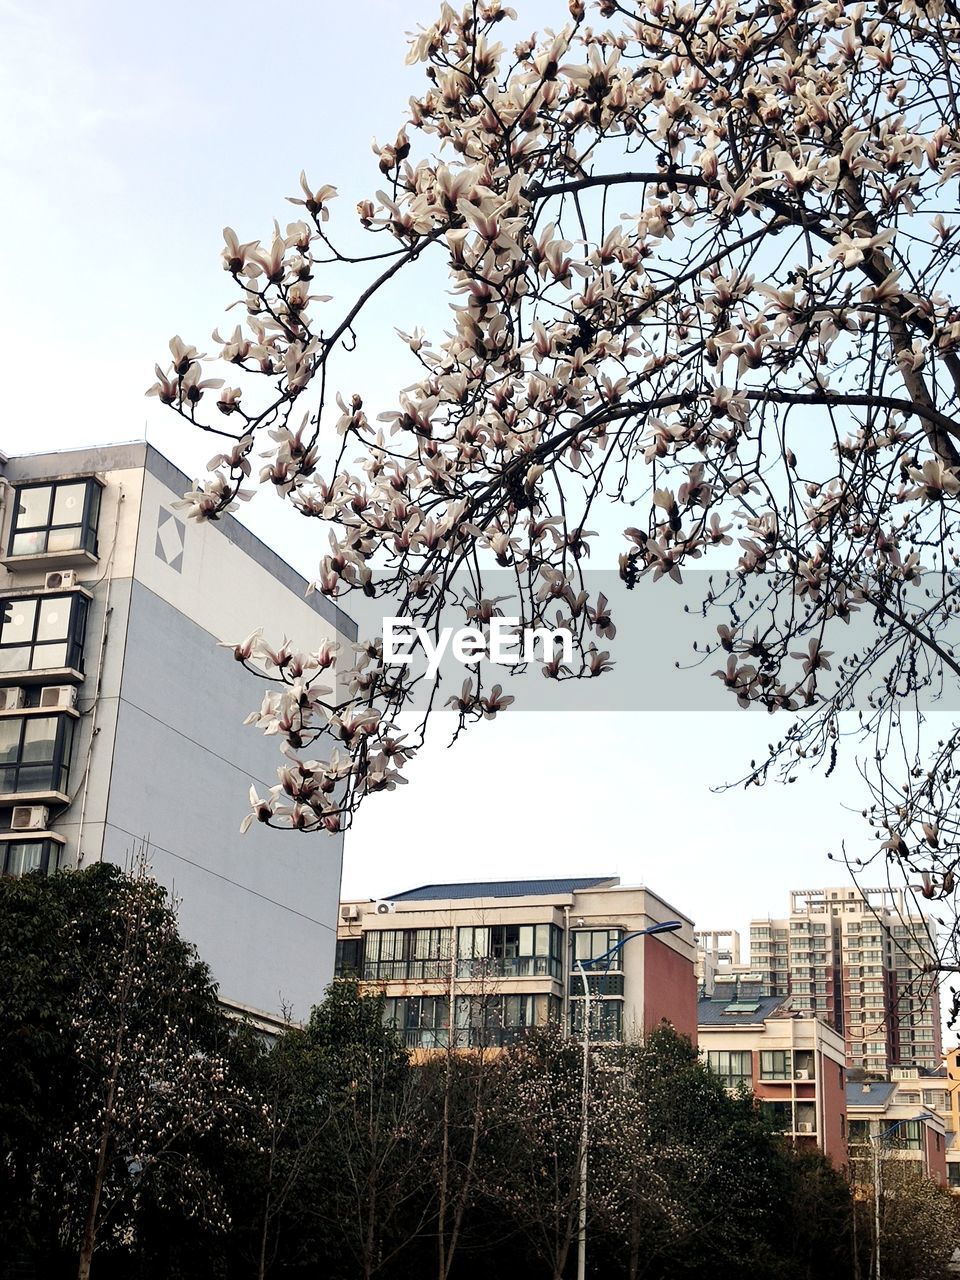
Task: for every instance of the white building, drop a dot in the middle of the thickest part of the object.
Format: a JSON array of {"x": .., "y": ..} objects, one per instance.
[{"x": 121, "y": 711}]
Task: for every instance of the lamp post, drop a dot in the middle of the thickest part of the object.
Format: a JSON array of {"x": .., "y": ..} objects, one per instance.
[
  {"x": 667, "y": 926},
  {"x": 877, "y": 1144}
]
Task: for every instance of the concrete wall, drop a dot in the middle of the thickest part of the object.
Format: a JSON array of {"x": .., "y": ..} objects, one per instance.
[{"x": 261, "y": 907}]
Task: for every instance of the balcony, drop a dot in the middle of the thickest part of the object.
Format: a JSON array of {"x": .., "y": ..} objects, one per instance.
[
  {"x": 42, "y": 636},
  {"x": 54, "y": 525},
  {"x": 22, "y": 852},
  {"x": 35, "y": 749}
]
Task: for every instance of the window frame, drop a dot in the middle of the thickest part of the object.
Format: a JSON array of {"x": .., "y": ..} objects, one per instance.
[
  {"x": 785, "y": 1072},
  {"x": 732, "y": 1079},
  {"x": 49, "y": 853},
  {"x": 86, "y": 525},
  {"x": 58, "y": 763},
  {"x": 74, "y": 638}
]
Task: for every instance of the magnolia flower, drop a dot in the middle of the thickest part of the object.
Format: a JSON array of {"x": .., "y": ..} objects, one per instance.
[{"x": 315, "y": 202}]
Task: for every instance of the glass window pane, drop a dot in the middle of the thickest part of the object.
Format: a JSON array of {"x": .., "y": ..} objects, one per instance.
[
  {"x": 45, "y": 657},
  {"x": 18, "y": 620},
  {"x": 526, "y": 940},
  {"x": 24, "y": 858},
  {"x": 68, "y": 503},
  {"x": 68, "y": 539},
  {"x": 54, "y": 623},
  {"x": 9, "y": 740},
  {"x": 14, "y": 659},
  {"x": 39, "y": 737},
  {"x": 36, "y": 777},
  {"x": 8, "y": 780},
  {"x": 29, "y": 544},
  {"x": 33, "y": 506},
  {"x": 543, "y": 940}
]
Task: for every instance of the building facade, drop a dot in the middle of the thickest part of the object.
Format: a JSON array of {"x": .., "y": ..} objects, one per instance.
[
  {"x": 503, "y": 956},
  {"x": 854, "y": 957},
  {"x": 121, "y": 709},
  {"x": 792, "y": 1063},
  {"x": 888, "y": 1119}
]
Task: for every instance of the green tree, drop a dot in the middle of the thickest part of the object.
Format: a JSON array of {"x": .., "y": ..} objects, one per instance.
[
  {"x": 111, "y": 1010},
  {"x": 343, "y": 1174}
]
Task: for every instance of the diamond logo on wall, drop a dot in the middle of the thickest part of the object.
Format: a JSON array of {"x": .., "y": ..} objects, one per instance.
[{"x": 171, "y": 536}]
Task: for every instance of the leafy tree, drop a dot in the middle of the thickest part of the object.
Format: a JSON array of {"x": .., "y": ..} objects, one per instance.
[
  {"x": 112, "y": 1009},
  {"x": 689, "y": 1180},
  {"x": 343, "y": 1175},
  {"x": 531, "y": 1168},
  {"x": 919, "y": 1222},
  {"x": 702, "y": 263}
]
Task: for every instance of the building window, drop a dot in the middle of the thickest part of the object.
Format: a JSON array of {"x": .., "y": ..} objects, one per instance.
[
  {"x": 399, "y": 954},
  {"x": 20, "y": 857},
  {"x": 606, "y": 1019},
  {"x": 56, "y": 517},
  {"x": 349, "y": 958},
  {"x": 858, "y": 1131},
  {"x": 776, "y": 1064},
  {"x": 35, "y": 753},
  {"x": 734, "y": 1067},
  {"x": 498, "y": 1020},
  {"x": 591, "y": 944},
  {"x": 780, "y": 1114},
  {"x": 42, "y": 633},
  {"x": 509, "y": 951},
  {"x": 423, "y": 1021},
  {"x": 953, "y": 1174}
]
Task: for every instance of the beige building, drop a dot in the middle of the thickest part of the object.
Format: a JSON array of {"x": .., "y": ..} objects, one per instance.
[
  {"x": 901, "y": 1119},
  {"x": 853, "y": 957},
  {"x": 503, "y": 955},
  {"x": 792, "y": 1063}
]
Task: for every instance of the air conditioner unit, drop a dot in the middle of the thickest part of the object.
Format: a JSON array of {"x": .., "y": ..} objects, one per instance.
[
  {"x": 350, "y": 912},
  {"x": 60, "y": 580},
  {"x": 58, "y": 695},
  {"x": 802, "y": 1074},
  {"x": 384, "y": 908},
  {"x": 805, "y": 1126},
  {"x": 11, "y": 699},
  {"x": 29, "y": 817}
]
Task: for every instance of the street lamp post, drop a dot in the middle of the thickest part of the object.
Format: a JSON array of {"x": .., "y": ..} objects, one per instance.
[
  {"x": 667, "y": 926},
  {"x": 877, "y": 1144}
]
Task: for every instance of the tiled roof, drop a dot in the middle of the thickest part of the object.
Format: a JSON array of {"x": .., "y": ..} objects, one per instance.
[
  {"x": 501, "y": 889},
  {"x": 743, "y": 1012},
  {"x": 876, "y": 1094}
]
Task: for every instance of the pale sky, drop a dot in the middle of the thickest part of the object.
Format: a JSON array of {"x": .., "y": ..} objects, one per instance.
[{"x": 132, "y": 134}]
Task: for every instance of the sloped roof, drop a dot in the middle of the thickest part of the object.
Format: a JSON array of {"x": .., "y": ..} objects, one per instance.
[
  {"x": 501, "y": 889},
  {"x": 745, "y": 1012},
  {"x": 876, "y": 1094}
]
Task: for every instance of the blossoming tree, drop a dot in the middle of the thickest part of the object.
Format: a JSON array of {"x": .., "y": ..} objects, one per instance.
[{"x": 701, "y": 260}]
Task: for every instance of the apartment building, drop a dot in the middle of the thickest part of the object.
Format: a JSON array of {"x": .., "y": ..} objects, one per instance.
[
  {"x": 121, "y": 709},
  {"x": 503, "y": 956},
  {"x": 718, "y": 952},
  {"x": 889, "y": 1118},
  {"x": 853, "y": 957},
  {"x": 793, "y": 1064}
]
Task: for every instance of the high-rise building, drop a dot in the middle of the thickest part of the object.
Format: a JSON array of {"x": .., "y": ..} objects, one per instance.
[
  {"x": 121, "y": 709},
  {"x": 854, "y": 957},
  {"x": 503, "y": 955}
]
